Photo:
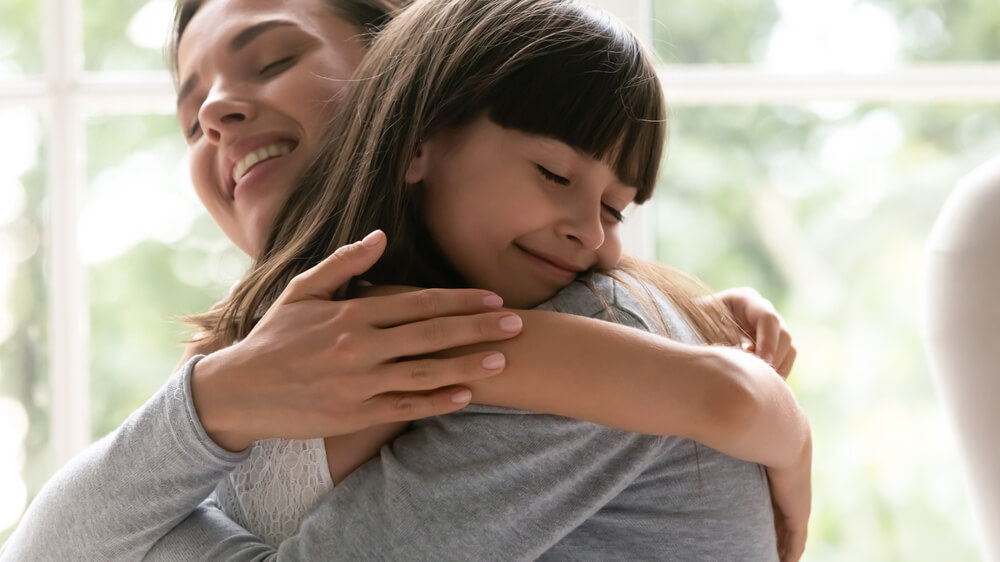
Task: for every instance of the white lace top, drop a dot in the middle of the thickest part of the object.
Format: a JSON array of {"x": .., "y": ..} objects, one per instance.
[{"x": 275, "y": 487}]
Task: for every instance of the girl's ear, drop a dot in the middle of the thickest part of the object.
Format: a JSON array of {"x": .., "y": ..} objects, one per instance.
[{"x": 419, "y": 164}]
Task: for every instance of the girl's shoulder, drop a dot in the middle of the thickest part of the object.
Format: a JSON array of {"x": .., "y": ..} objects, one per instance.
[{"x": 621, "y": 298}]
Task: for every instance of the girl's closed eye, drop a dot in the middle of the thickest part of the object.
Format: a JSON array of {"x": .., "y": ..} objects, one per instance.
[
  {"x": 551, "y": 176},
  {"x": 613, "y": 212},
  {"x": 193, "y": 131}
]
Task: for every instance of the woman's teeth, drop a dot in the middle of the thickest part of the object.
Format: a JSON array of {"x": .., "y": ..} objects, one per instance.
[{"x": 257, "y": 156}]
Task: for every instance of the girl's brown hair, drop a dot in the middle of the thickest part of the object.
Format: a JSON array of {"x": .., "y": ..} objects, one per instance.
[{"x": 550, "y": 67}]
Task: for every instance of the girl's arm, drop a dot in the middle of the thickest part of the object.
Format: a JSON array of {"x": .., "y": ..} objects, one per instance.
[
  {"x": 637, "y": 381},
  {"x": 765, "y": 333},
  {"x": 625, "y": 378}
]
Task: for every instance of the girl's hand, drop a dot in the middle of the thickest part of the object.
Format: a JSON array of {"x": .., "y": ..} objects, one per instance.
[
  {"x": 791, "y": 496},
  {"x": 769, "y": 338},
  {"x": 314, "y": 367}
]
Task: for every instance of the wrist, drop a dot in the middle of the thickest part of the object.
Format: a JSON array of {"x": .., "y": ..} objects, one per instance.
[{"x": 213, "y": 403}]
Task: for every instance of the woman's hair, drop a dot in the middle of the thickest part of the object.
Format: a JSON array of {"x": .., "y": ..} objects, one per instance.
[
  {"x": 549, "y": 67},
  {"x": 367, "y": 15}
]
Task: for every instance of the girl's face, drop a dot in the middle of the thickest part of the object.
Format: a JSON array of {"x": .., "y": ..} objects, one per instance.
[
  {"x": 519, "y": 214},
  {"x": 259, "y": 81}
]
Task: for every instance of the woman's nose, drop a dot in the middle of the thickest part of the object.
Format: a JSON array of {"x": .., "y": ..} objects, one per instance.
[{"x": 222, "y": 112}]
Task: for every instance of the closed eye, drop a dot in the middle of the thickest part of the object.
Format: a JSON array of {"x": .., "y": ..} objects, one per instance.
[
  {"x": 551, "y": 176},
  {"x": 615, "y": 213},
  {"x": 194, "y": 130}
]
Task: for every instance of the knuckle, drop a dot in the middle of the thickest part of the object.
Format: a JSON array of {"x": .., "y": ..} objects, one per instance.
[
  {"x": 348, "y": 311},
  {"x": 403, "y": 404},
  {"x": 485, "y": 325},
  {"x": 347, "y": 346},
  {"x": 298, "y": 281},
  {"x": 344, "y": 251},
  {"x": 428, "y": 301},
  {"x": 420, "y": 373},
  {"x": 433, "y": 333}
]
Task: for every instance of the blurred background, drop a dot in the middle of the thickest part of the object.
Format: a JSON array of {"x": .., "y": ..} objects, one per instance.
[{"x": 813, "y": 143}]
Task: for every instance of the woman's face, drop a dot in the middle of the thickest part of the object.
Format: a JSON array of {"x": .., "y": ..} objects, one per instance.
[
  {"x": 519, "y": 214},
  {"x": 259, "y": 80}
]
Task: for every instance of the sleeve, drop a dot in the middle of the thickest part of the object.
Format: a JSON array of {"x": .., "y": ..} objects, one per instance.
[
  {"x": 114, "y": 500},
  {"x": 484, "y": 483},
  {"x": 467, "y": 486}
]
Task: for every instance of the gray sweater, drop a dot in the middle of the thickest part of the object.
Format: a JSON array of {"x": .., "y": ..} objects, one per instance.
[{"x": 485, "y": 483}]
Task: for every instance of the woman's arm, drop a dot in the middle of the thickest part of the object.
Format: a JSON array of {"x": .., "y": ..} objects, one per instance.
[
  {"x": 124, "y": 492},
  {"x": 120, "y": 495}
]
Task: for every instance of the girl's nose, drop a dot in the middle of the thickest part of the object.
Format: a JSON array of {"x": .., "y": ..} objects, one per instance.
[{"x": 584, "y": 225}]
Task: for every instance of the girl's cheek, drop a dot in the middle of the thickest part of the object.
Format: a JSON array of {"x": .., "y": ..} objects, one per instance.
[{"x": 610, "y": 252}]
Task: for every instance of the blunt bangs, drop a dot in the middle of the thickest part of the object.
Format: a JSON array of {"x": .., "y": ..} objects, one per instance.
[{"x": 595, "y": 92}]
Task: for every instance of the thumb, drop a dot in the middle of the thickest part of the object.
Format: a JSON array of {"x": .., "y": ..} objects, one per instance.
[{"x": 323, "y": 279}]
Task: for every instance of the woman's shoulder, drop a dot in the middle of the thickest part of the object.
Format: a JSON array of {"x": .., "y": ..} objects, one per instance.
[{"x": 624, "y": 299}]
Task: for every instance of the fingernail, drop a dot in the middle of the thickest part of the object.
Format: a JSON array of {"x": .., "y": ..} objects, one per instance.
[
  {"x": 461, "y": 396},
  {"x": 494, "y": 361},
  {"x": 510, "y": 323},
  {"x": 493, "y": 301},
  {"x": 371, "y": 239}
]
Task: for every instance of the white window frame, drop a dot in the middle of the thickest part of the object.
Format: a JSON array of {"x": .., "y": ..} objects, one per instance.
[{"x": 67, "y": 95}]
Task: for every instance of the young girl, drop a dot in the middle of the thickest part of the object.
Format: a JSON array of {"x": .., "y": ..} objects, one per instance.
[
  {"x": 493, "y": 153},
  {"x": 654, "y": 405}
]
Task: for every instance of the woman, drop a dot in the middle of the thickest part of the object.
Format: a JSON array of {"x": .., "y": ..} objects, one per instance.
[{"x": 301, "y": 291}]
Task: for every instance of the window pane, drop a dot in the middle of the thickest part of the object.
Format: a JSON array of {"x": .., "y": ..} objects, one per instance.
[
  {"x": 20, "y": 38},
  {"x": 125, "y": 34},
  {"x": 819, "y": 35},
  {"x": 825, "y": 209},
  {"x": 151, "y": 254},
  {"x": 25, "y": 456}
]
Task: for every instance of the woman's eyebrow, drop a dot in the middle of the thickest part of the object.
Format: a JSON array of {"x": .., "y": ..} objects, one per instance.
[
  {"x": 237, "y": 43},
  {"x": 245, "y": 37}
]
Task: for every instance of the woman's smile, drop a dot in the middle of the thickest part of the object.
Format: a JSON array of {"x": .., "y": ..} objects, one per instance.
[{"x": 259, "y": 81}]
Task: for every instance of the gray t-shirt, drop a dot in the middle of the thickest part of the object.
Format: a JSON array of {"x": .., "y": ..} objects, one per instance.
[{"x": 485, "y": 483}]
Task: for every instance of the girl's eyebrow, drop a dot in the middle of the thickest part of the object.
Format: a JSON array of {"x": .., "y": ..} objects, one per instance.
[
  {"x": 237, "y": 43},
  {"x": 553, "y": 144}
]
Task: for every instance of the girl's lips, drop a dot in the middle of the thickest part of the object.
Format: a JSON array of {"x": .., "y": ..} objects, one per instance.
[{"x": 552, "y": 269}]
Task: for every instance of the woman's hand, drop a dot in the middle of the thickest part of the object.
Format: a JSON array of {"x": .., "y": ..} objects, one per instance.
[
  {"x": 314, "y": 367},
  {"x": 791, "y": 495},
  {"x": 768, "y": 338}
]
